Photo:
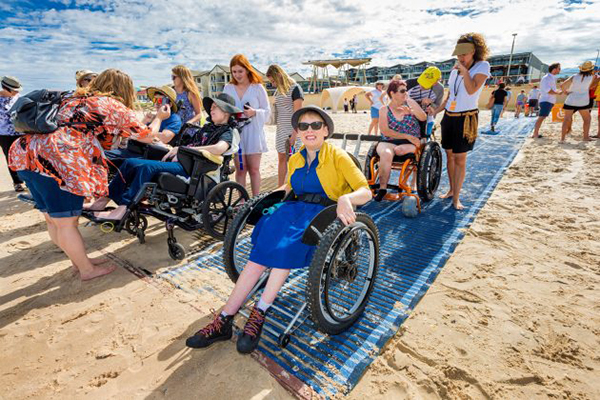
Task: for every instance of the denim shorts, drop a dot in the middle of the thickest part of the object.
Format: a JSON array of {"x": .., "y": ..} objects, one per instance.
[
  {"x": 49, "y": 197},
  {"x": 545, "y": 108},
  {"x": 374, "y": 112}
]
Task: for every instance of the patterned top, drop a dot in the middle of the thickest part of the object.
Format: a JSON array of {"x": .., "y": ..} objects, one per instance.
[
  {"x": 6, "y": 127},
  {"x": 186, "y": 110},
  {"x": 407, "y": 125},
  {"x": 73, "y": 155}
]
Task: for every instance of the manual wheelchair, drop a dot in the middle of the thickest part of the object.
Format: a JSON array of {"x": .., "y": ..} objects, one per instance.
[
  {"x": 206, "y": 200},
  {"x": 342, "y": 272}
]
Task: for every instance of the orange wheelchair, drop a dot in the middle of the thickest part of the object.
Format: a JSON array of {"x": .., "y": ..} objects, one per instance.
[{"x": 425, "y": 165}]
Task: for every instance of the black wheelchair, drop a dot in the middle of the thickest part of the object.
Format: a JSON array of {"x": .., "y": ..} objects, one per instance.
[
  {"x": 206, "y": 199},
  {"x": 341, "y": 274}
]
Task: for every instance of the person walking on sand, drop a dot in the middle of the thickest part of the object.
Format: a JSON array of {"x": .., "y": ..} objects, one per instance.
[
  {"x": 246, "y": 87},
  {"x": 548, "y": 92},
  {"x": 346, "y": 104},
  {"x": 498, "y": 100},
  {"x": 11, "y": 87},
  {"x": 354, "y": 103},
  {"x": 520, "y": 103},
  {"x": 459, "y": 124},
  {"x": 578, "y": 100},
  {"x": 532, "y": 100},
  {"x": 377, "y": 99}
]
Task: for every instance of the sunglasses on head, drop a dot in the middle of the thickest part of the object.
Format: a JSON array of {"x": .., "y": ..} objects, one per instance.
[{"x": 303, "y": 126}]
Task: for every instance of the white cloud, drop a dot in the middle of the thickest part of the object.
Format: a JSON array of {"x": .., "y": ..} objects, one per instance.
[{"x": 44, "y": 46}]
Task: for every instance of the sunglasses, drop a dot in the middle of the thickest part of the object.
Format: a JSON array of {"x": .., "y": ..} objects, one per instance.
[
  {"x": 160, "y": 101},
  {"x": 173, "y": 77},
  {"x": 402, "y": 91},
  {"x": 315, "y": 126}
]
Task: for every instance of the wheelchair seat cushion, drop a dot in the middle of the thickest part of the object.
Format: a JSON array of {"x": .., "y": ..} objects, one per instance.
[
  {"x": 404, "y": 157},
  {"x": 171, "y": 183}
]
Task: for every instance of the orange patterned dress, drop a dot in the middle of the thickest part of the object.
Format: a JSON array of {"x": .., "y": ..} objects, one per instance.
[{"x": 73, "y": 155}]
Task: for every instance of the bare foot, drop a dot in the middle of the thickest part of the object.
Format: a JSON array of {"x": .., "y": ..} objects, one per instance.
[
  {"x": 95, "y": 261},
  {"x": 458, "y": 205},
  {"x": 447, "y": 195},
  {"x": 98, "y": 271},
  {"x": 98, "y": 205},
  {"x": 116, "y": 214}
]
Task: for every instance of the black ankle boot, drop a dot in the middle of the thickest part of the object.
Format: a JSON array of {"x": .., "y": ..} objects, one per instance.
[
  {"x": 380, "y": 194},
  {"x": 221, "y": 328},
  {"x": 249, "y": 338}
]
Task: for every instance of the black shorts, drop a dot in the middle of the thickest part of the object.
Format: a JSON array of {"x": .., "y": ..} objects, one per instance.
[
  {"x": 452, "y": 134},
  {"x": 396, "y": 142},
  {"x": 533, "y": 103},
  {"x": 577, "y": 108}
]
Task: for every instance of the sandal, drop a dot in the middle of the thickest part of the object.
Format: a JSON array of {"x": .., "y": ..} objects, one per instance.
[{"x": 19, "y": 187}]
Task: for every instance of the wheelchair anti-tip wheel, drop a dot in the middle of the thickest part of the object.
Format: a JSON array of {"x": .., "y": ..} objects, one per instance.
[
  {"x": 220, "y": 206},
  {"x": 429, "y": 171},
  {"x": 342, "y": 274}
]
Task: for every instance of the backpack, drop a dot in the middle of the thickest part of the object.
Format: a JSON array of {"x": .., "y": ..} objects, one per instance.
[{"x": 36, "y": 111}]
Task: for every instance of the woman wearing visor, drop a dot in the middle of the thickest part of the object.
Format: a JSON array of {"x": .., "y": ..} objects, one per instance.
[{"x": 459, "y": 125}]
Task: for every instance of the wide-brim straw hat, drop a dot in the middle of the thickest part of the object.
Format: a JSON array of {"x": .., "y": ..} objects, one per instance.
[
  {"x": 12, "y": 83},
  {"x": 328, "y": 121},
  {"x": 224, "y": 101},
  {"x": 586, "y": 66},
  {"x": 165, "y": 91}
]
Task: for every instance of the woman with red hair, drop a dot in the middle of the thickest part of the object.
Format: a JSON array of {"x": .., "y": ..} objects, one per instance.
[{"x": 250, "y": 95}]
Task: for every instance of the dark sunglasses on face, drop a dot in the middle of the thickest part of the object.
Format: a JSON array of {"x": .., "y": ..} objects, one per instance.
[
  {"x": 303, "y": 126},
  {"x": 402, "y": 91}
]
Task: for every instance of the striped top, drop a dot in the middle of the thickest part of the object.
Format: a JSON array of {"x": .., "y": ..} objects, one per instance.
[{"x": 284, "y": 108}]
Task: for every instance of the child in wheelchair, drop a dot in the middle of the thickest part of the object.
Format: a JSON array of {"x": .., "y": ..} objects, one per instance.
[
  {"x": 319, "y": 175},
  {"x": 399, "y": 123},
  {"x": 213, "y": 139}
]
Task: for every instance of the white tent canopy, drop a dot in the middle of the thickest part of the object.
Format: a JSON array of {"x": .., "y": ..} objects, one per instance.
[{"x": 337, "y": 94}]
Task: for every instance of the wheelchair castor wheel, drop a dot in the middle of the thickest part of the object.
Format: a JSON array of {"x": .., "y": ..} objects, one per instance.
[
  {"x": 134, "y": 228},
  {"x": 176, "y": 251},
  {"x": 283, "y": 340},
  {"x": 410, "y": 208}
]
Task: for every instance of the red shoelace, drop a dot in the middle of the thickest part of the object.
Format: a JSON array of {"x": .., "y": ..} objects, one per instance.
[
  {"x": 215, "y": 326},
  {"x": 255, "y": 322}
]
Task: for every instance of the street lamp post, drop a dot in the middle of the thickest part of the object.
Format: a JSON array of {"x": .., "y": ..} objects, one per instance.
[
  {"x": 510, "y": 58},
  {"x": 597, "y": 54}
]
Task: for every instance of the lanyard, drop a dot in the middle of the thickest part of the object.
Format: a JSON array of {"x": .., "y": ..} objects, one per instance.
[{"x": 457, "y": 87}]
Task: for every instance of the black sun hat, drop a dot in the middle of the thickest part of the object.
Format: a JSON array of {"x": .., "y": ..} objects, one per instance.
[
  {"x": 224, "y": 101},
  {"x": 328, "y": 121}
]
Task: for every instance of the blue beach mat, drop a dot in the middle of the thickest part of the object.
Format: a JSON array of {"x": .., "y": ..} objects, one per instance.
[{"x": 413, "y": 251}]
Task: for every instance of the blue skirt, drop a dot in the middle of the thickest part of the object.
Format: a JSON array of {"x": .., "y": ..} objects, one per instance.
[{"x": 277, "y": 237}]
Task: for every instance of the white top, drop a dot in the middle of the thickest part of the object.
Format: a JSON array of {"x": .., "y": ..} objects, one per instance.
[
  {"x": 548, "y": 83},
  {"x": 458, "y": 92},
  {"x": 534, "y": 94},
  {"x": 252, "y": 136},
  {"x": 376, "y": 98},
  {"x": 579, "y": 90}
]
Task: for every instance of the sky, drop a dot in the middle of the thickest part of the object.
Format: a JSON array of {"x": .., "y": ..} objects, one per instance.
[{"x": 43, "y": 42}]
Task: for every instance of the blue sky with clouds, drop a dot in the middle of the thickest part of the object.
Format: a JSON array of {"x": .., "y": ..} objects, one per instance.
[{"x": 43, "y": 42}]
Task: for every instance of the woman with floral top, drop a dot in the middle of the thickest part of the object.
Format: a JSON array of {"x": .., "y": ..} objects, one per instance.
[{"x": 62, "y": 168}]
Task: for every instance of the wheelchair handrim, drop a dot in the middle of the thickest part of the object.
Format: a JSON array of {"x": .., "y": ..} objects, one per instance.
[
  {"x": 325, "y": 304},
  {"x": 237, "y": 245}
]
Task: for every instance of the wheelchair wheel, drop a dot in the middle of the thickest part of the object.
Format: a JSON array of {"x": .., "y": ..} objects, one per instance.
[
  {"x": 342, "y": 274},
  {"x": 176, "y": 251},
  {"x": 355, "y": 160},
  {"x": 370, "y": 154},
  {"x": 429, "y": 171},
  {"x": 219, "y": 207},
  {"x": 133, "y": 228},
  {"x": 237, "y": 244}
]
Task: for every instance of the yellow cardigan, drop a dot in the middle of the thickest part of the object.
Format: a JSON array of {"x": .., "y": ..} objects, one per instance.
[{"x": 336, "y": 171}]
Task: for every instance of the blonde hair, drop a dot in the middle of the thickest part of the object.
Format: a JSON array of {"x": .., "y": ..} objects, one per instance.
[
  {"x": 187, "y": 78},
  {"x": 283, "y": 81},
  {"x": 113, "y": 83}
]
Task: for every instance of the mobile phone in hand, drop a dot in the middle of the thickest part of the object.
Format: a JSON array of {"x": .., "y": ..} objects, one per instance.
[{"x": 247, "y": 105}]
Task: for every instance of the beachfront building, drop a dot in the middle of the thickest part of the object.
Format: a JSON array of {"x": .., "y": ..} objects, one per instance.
[{"x": 524, "y": 68}]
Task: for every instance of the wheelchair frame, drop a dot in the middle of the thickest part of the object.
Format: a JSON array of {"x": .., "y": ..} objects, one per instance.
[{"x": 336, "y": 257}]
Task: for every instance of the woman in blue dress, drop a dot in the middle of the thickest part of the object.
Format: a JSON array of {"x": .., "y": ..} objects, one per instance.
[
  {"x": 188, "y": 95},
  {"x": 318, "y": 169}
]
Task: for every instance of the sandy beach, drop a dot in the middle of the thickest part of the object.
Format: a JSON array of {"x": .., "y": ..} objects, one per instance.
[{"x": 515, "y": 313}]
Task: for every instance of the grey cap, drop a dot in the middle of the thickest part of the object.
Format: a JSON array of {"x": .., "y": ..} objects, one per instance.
[
  {"x": 224, "y": 101},
  {"x": 328, "y": 121},
  {"x": 12, "y": 83}
]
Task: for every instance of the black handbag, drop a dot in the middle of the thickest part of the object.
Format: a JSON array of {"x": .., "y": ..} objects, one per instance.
[{"x": 36, "y": 111}]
